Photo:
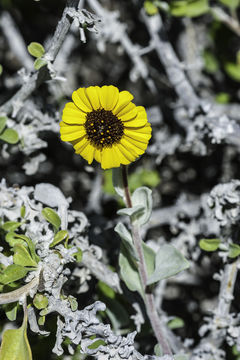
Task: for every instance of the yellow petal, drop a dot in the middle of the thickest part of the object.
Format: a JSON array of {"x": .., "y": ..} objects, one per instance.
[
  {"x": 73, "y": 115},
  {"x": 87, "y": 153},
  {"x": 123, "y": 160},
  {"x": 79, "y": 144},
  {"x": 136, "y": 122},
  {"x": 127, "y": 109},
  {"x": 137, "y": 135},
  {"x": 108, "y": 96},
  {"x": 80, "y": 99},
  {"x": 131, "y": 147},
  {"x": 109, "y": 159},
  {"x": 142, "y": 129},
  {"x": 124, "y": 99},
  {"x": 140, "y": 145},
  {"x": 66, "y": 128},
  {"x": 69, "y": 134},
  {"x": 98, "y": 155},
  {"x": 130, "y": 156},
  {"x": 92, "y": 93},
  {"x": 129, "y": 115}
]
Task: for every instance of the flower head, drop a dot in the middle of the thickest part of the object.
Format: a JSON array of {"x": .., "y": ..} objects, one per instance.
[{"x": 103, "y": 124}]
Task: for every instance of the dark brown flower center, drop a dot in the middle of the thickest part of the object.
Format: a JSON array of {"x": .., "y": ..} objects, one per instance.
[{"x": 103, "y": 128}]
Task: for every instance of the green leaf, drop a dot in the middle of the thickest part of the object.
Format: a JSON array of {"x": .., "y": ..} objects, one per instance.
[
  {"x": 142, "y": 197},
  {"x": 40, "y": 301},
  {"x": 78, "y": 255},
  {"x": 96, "y": 344},
  {"x": 11, "y": 225},
  {"x": 22, "y": 257},
  {"x": 36, "y": 49},
  {"x": 232, "y": 4},
  {"x": 233, "y": 70},
  {"x": 15, "y": 345},
  {"x": 11, "y": 310},
  {"x": 1, "y": 69},
  {"x": 3, "y": 121},
  {"x": 189, "y": 8},
  {"x": 150, "y": 8},
  {"x": 73, "y": 303},
  {"x": 222, "y": 98},
  {"x": 209, "y": 244},
  {"x": 168, "y": 262},
  {"x": 210, "y": 62},
  {"x": 23, "y": 211},
  {"x": 12, "y": 273},
  {"x": 39, "y": 63},
  {"x": 108, "y": 182},
  {"x": 10, "y": 136},
  {"x": 60, "y": 236},
  {"x": 175, "y": 323},
  {"x": 234, "y": 250},
  {"x": 106, "y": 290},
  {"x": 118, "y": 181},
  {"x": 52, "y": 217},
  {"x": 13, "y": 239},
  {"x": 129, "y": 271},
  {"x": 143, "y": 177},
  {"x": 41, "y": 320}
]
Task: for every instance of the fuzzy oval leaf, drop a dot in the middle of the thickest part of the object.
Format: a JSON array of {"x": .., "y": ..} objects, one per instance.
[
  {"x": 3, "y": 120},
  {"x": 168, "y": 262},
  {"x": 22, "y": 257},
  {"x": 36, "y": 49},
  {"x": 126, "y": 237},
  {"x": 10, "y": 136},
  {"x": 209, "y": 244},
  {"x": 129, "y": 272},
  {"x": 60, "y": 236},
  {"x": 133, "y": 212},
  {"x": 52, "y": 217},
  {"x": 11, "y": 225},
  {"x": 234, "y": 250},
  {"x": 39, "y": 63},
  {"x": 15, "y": 345},
  {"x": 12, "y": 273},
  {"x": 149, "y": 256},
  {"x": 142, "y": 197}
]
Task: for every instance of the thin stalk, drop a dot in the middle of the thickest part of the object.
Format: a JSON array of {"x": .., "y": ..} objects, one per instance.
[{"x": 148, "y": 296}]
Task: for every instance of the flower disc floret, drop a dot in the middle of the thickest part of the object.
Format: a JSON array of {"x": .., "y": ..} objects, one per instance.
[
  {"x": 103, "y": 124},
  {"x": 103, "y": 129}
]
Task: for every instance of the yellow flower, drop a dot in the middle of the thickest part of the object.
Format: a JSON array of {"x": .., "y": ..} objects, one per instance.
[{"x": 103, "y": 124}]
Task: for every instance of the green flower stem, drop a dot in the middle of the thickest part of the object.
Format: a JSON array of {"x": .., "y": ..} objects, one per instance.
[{"x": 148, "y": 298}]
